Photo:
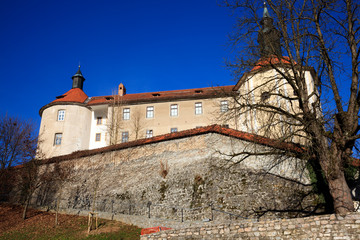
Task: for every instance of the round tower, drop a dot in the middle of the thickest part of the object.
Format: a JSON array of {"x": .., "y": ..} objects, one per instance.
[{"x": 65, "y": 122}]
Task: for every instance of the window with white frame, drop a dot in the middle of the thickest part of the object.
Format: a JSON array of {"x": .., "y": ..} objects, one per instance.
[
  {"x": 61, "y": 115},
  {"x": 124, "y": 136},
  {"x": 99, "y": 120},
  {"x": 150, "y": 112},
  {"x": 224, "y": 106},
  {"x": 98, "y": 137},
  {"x": 198, "y": 108},
  {"x": 126, "y": 113},
  {"x": 58, "y": 138},
  {"x": 173, "y": 130},
  {"x": 173, "y": 110},
  {"x": 149, "y": 133}
]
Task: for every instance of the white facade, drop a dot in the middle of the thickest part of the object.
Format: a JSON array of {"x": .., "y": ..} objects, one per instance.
[
  {"x": 69, "y": 133},
  {"x": 98, "y": 131}
]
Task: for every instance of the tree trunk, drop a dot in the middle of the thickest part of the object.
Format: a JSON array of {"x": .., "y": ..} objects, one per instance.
[
  {"x": 57, "y": 211},
  {"x": 340, "y": 192},
  {"x": 331, "y": 164},
  {"x": 26, "y": 207}
]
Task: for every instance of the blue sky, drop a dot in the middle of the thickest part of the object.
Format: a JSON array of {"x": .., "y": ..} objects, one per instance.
[{"x": 147, "y": 45}]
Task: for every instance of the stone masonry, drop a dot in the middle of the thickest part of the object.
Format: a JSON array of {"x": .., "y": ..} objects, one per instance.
[
  {"x": 324, "y": 227},
  {"x": 181, "y": 179}
]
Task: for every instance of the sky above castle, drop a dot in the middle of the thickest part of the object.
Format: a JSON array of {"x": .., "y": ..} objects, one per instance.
[{"x": 147, "y": 45}]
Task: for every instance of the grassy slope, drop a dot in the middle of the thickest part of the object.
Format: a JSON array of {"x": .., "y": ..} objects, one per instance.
[{"x": 40, "y": 225}]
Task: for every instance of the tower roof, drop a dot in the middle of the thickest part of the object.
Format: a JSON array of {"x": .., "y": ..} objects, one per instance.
[
  {"x": 269, "y": 36},
  {"x": 266, "y": 12},
  {"x": 78, "y": 79},
  {"x": 75, "y": 95},
  {"x": 78, "y": 74}
]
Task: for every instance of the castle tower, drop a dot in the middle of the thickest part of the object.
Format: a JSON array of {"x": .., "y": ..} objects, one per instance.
[
  {"x": 265, "y": 91},
  {"x": 65, "y": 122},
  {"x": 269, "y": 36}
]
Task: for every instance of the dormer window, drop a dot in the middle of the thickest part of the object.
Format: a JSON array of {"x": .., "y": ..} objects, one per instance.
[
  {"x": 198, "y": 91},
  {"x": 109, "y": 98},
  {"x": 156, "y": 94}
]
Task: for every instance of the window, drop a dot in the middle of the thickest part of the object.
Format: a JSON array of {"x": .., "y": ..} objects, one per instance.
[
  {"x": 149, "y": 133},
  {"x": 126, "y": 113},
  {"x": 57, "y": 139},
  {"x": 265, "y": 96},
  {"x": 224, "y": 107},
  {"x": 198, "y": 108},
  {"x": 61, "y": 115},
  {"x": 173, "y": 130},
  {"x": 99, "y": 120},
  {"x": 173, "y": 110},
  {"x": 98, "y": 137},
  {"x": 124, "y": 136},
  {"x": 150, "y": 112}
]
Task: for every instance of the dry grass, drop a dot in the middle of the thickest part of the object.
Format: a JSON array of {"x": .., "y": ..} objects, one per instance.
[{"x": 41, "y": 225}]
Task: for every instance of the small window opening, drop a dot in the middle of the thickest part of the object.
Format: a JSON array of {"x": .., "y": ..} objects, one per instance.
[
  {"x": 265, "y": 96},
  {"x": 98, "y": 137},
  {"x": 99, "y": 120},
  {"x": 149, "y": 133},
  {"x": 156, "y": 94}
]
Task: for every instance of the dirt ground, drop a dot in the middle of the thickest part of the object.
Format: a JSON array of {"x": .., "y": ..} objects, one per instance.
[
  {"x": 43, "y": 223},
  {"x": 11, "y": 218}
]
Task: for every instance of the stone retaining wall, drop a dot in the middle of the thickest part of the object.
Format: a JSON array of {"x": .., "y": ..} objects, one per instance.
[
  {"x": 181, "y": 178},
  {"x": 315, "y": 227}
]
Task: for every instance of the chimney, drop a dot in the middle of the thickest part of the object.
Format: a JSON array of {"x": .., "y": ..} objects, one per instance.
[{"x": 122, "y": 90}]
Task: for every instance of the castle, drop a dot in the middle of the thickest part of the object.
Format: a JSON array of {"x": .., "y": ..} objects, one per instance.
[
  {"x": 75, "y": 121},
  {"x": 123, "y": 154}
]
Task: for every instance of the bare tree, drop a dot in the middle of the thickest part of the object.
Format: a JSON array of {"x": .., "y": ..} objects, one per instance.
[
  {"x": 117, "y": 122},
  {"x": 62, "y": 175},
  {"x": 305, "y": 87},
  {"x": 18, "y": 141},
  {"x": 114, "y": 122},
  {"x": 31, "y": 178},
  {"x": 138, "y": 124}
]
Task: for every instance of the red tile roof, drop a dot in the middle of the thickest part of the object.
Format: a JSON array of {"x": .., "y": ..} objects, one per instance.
[
  {"x": 73, "y": 95},
  {"x": 290, "y": 147},
  {"x": 265, "y": 64},
  {"x": 271, "y": 60},
  {"x": 165, "y": 95}
]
